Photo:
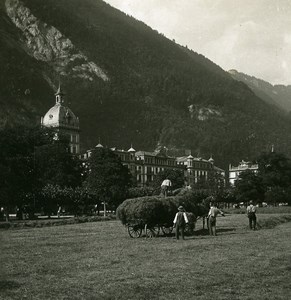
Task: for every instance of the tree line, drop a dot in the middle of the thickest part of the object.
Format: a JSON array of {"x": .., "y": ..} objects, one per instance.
[
  {"x": 38, "y": 174},
  {"x": 271, "y": 183}
]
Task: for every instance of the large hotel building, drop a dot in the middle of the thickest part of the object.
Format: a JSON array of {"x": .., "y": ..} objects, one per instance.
[{"x": 144, "y": 165}]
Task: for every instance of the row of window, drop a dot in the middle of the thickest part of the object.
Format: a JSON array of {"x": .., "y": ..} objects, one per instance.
[
  {"x": 159, "y": 161},
  {"x": 147, "y": 178},
  {"x": 74, "y": 149},
  {"x": 198, "y": 165},
  {"x": 198, "y": 173},
  {"x": 74, "y": 138}
]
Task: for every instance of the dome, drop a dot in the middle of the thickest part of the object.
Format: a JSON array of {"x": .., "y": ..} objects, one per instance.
[{"x": 60, "y": 115}]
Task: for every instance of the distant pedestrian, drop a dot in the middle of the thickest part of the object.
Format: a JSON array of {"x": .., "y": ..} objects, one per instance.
[
  {"x": 2, "y": 214},
  {"x": 251, "y": 213},
  {"x": 212, "y": 214},
  {"x": 59, "y": 211},
  {"x": 166, "y": 186},
  {"x": 180, "y": 222}
]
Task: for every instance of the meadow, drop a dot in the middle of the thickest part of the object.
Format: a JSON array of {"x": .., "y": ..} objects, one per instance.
[{"x": 100, "y": 261}]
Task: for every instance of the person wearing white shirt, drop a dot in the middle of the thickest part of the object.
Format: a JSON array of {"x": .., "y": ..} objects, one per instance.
[
  {"x": 251, "y": 213},
  {"x": 180, "y": 222},
  {"x": 165, "y": 186},
  {"x": 212, "y": 214}
]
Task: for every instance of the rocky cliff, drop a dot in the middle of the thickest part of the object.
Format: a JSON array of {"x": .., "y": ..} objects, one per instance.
[
  {"x": 127, "y": 83},
  {"x": 46, "y": 43}
]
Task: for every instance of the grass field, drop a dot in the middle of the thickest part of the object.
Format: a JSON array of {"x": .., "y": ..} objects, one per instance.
[
  {"x": 262, "y": 210},
  {"x": 100, "y": 261}
]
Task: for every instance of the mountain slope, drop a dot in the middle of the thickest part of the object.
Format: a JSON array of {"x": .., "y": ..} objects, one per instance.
[
  {"x": 279, "y": 95},
  {"x": 127, "y": 83}
]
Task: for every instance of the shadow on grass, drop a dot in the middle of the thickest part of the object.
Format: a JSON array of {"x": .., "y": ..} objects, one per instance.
[
  {"x": 200, "y": 232},
  {"x": 220, "y": 230},
  {"x": 9, "y": 285}
]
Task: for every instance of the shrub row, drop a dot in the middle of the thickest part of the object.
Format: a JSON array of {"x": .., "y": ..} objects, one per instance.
[{"x": 52, "y": 222}]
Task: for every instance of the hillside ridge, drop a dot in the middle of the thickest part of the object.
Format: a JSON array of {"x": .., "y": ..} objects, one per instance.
[
  {"x": 127, "y": 83},
  {"x": 277, "y": 94}
]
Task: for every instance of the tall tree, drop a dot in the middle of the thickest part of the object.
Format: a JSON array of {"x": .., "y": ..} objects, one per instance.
[
  {"x": 249, "y": 186},
  {"x": 275, "y": 169},
  {"x": 17, "y": 162},
  {"x": 30, "y": 158},
  {"x": 55, "y": 165},
  {"x": 108, "y": 179}
]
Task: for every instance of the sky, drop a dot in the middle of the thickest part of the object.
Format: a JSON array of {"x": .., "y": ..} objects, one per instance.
[{"x": 251, "y": 36}]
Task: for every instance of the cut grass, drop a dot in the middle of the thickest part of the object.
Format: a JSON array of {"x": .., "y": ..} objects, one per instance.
[
  {"x": 100, "y": 261},
  {"x": 261, "y": 210}
]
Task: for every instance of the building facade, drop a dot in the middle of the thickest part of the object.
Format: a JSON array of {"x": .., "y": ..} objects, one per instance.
[
  {"x": 64, "y": 121},
  {"x": 145, "y": 165},
  {"x": 235, "y": 171}
]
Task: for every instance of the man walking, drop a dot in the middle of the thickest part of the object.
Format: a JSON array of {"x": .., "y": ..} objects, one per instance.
[
  {"x": 251, "y": 213},
  {"x": 180, "y": 222},
  {"x": 212, "y": 214}
]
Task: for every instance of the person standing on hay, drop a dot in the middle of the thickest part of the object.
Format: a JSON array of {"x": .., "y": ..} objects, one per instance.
[
  {"x": 251, "y": 213},
  {"x": 180, "y": 222},
  {"x": 212, "y": 214},
  {"x": 165, "y": 186}
]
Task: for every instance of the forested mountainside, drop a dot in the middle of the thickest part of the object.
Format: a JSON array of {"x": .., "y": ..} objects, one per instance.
[
  {"x": 279, "y": 95},
  {"x": 127, "y": 83}
]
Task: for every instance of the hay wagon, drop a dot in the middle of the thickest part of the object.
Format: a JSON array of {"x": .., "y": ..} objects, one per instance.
[
  {"x": 136, "y": 227},
  {"x": 150, "y": 216}
]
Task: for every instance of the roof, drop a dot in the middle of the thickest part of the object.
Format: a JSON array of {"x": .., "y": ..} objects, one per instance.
[
  {"x": 218, "y": 169},
  {"x": 185, "y": 158},
  {"x": 60, "y": 91},
  {"x": 154, "y": 154},
  {"x": 60, "y": 115}
]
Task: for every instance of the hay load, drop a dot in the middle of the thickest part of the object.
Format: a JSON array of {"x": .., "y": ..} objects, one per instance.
[
  {"x": 158, "y": 210},
  {"x": 145, "y": 209}
]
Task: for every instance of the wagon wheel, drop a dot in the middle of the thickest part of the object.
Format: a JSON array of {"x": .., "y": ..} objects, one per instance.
[
  {"x": 134, "y": 231},
  {"x": 152, "y": 231},
  {"x": 167, "y": 230}
]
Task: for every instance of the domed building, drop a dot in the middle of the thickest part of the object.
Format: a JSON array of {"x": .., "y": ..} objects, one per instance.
[{"x": 64, "y": 120}]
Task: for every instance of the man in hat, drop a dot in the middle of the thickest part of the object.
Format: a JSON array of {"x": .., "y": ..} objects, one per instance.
[
  {"x": 212, "y": 214},
  {"x": 251, "y": 213},
  {"x": 180, "y": 221}
]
